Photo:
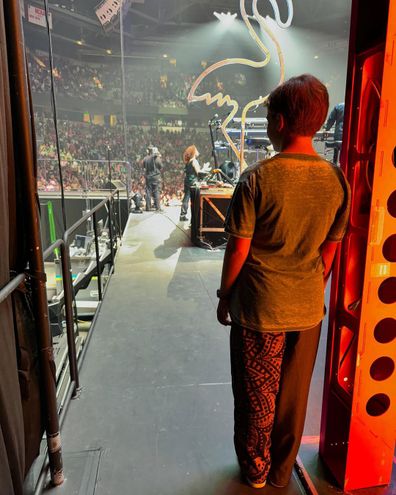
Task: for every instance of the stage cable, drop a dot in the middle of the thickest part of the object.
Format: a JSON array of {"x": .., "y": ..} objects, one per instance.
[
  {"x": 53, "y": 103},
  {"x": 54, "y": 112}
]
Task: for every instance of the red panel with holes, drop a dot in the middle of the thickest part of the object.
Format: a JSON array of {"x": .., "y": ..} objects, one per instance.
[{"x": 359, "y": 409}]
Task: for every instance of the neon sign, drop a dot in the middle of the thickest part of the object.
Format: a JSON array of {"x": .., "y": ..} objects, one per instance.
[{"x": 224, "y": 99}]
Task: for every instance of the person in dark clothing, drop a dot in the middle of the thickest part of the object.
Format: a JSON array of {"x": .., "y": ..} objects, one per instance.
[
  {"x": 231, "y": 170},
  {"x": 191, "y": 171},
  {"x": 336, "y": 118},
  {"x": 152, "y": 166}
]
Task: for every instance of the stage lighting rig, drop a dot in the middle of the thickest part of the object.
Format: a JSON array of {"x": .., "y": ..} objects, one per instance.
[
  {"x": 108, "y": 12},
  {"x": 227, "y": 18}
]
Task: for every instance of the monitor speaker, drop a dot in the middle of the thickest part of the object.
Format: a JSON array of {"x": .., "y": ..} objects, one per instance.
[{"x": 208, "y": 214}]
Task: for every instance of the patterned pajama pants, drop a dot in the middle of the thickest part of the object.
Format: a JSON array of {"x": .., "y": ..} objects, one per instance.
[{"x": 271, "y": 374}]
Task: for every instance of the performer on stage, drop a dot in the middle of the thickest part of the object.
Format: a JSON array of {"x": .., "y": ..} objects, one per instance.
[
  {"x": 191, "y": 171},
  {"x": 152, "y": 166},
  {"x": 287, "y": 216}
]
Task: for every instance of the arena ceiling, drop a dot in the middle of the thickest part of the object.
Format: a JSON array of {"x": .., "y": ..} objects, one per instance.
[{"x": 156, "y": 24}]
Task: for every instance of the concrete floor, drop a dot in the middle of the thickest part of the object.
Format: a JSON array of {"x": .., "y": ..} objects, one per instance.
[{"x": 155, "y": 415}]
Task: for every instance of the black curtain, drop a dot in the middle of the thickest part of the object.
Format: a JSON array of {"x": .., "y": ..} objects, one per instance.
[
  {"x": 12, "y": 444},
  {"x": 21, "y": 424}
]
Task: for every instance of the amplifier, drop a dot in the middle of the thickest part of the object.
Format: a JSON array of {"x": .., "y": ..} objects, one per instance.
[
  {"x": 209, "y": 208},
  {"x": 115, "y": 184}
]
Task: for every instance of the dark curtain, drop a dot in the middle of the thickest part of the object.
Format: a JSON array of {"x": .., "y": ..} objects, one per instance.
[
  {"x": 12, "y": 445},
  {"x": 20, "y": 400}
]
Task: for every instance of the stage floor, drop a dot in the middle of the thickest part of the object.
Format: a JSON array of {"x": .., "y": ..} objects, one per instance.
[{"x": 155, "y": 414}]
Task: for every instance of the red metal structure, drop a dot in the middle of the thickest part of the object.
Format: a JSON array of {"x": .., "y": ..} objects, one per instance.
[{"x": 359, "y": 408}]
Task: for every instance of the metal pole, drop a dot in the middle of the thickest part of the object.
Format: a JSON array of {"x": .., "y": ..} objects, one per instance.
[
  {"x": 68, "y": 294},
  {"x": 119, "y": 214},
  {"x": 54, "y": 110},
  {"x": 128, "y": 185},
  {"x": 109, "y": 165},
  {"x": 111, "y": 233},
  {"x": 123, "y": 84},
  {"x": 11, "y": 286},
  {"x": 25, "y": 158},
  {"x": 97, "y": 257},
  {"x": 214, "y": 154}
]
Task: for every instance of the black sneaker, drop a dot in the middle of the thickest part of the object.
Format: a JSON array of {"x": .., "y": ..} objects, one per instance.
[{"x": 183, "y": 218}]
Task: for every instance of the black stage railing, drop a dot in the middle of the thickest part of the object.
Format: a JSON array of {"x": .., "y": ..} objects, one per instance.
[{"x": 63, "y": 244}]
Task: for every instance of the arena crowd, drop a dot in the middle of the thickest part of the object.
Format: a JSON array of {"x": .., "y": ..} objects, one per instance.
[
  {"x": 84, "y": 155},
  {"x": 84, "y": 145},
  {"x": 166, "y": 86}
]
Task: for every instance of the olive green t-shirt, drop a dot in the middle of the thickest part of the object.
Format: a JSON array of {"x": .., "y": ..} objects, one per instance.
[{"x": 288, "y": 205}]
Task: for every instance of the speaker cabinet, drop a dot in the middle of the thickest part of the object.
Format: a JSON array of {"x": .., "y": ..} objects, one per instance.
[
  {"x": 359, "y": 414},
  {"x": 209, "y": 208}
]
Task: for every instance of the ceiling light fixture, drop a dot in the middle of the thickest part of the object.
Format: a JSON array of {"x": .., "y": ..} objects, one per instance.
[{"x": 225, "y": 18}]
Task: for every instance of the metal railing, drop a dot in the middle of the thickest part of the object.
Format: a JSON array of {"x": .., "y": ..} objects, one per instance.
[
  {"x": 83, "y": 175},
  {"x": 63, "y": 244},
  {"x": 12, "y": 285}
]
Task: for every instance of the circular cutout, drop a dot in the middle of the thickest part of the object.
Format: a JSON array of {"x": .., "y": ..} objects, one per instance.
[
  {"x": 389, "y": 248},
  {"x": 385, "y": 331},
  {"x": 392, "y": 204},
  {"x": 378, "y": 404},
  {"x": 387, "y": 290},
  {"x": 382, "y": 368}
]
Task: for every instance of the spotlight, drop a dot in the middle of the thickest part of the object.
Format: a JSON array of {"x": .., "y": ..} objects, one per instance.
[
  {"x": 225, "y": 18},
  {"x": 109, "y": 52},
  {"x": 165, "y": 55},
  {"x": 79, "y": 42}
]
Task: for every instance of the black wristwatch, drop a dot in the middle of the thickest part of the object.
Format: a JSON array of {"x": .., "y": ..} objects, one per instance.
[{"x": 220, "y": 294}]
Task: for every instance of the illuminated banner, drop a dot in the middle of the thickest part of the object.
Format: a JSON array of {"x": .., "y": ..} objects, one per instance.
[
  {"x": 37, "y": 16},
  {"x": 222, "y": 98}
]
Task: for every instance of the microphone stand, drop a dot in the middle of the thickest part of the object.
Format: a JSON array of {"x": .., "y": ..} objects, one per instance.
[
  {"x": 214, "y": 154},
  {"x": 219, "y": 175}
]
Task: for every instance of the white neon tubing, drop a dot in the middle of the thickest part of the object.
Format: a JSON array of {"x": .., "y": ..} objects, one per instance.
[
  {"x": 219, "y": 98},
  {"x": 290, "y": 13}
]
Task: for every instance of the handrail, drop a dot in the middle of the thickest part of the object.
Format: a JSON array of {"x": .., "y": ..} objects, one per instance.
[
  {"x": 125, "y": 176},
  {"x": 82, "y": 220},
  {"x": 63, "y": 244},
  {"x": 82, "y": 160},
  {"x": 12, "y": 285},
  {"x": 51, "y": 249}
]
